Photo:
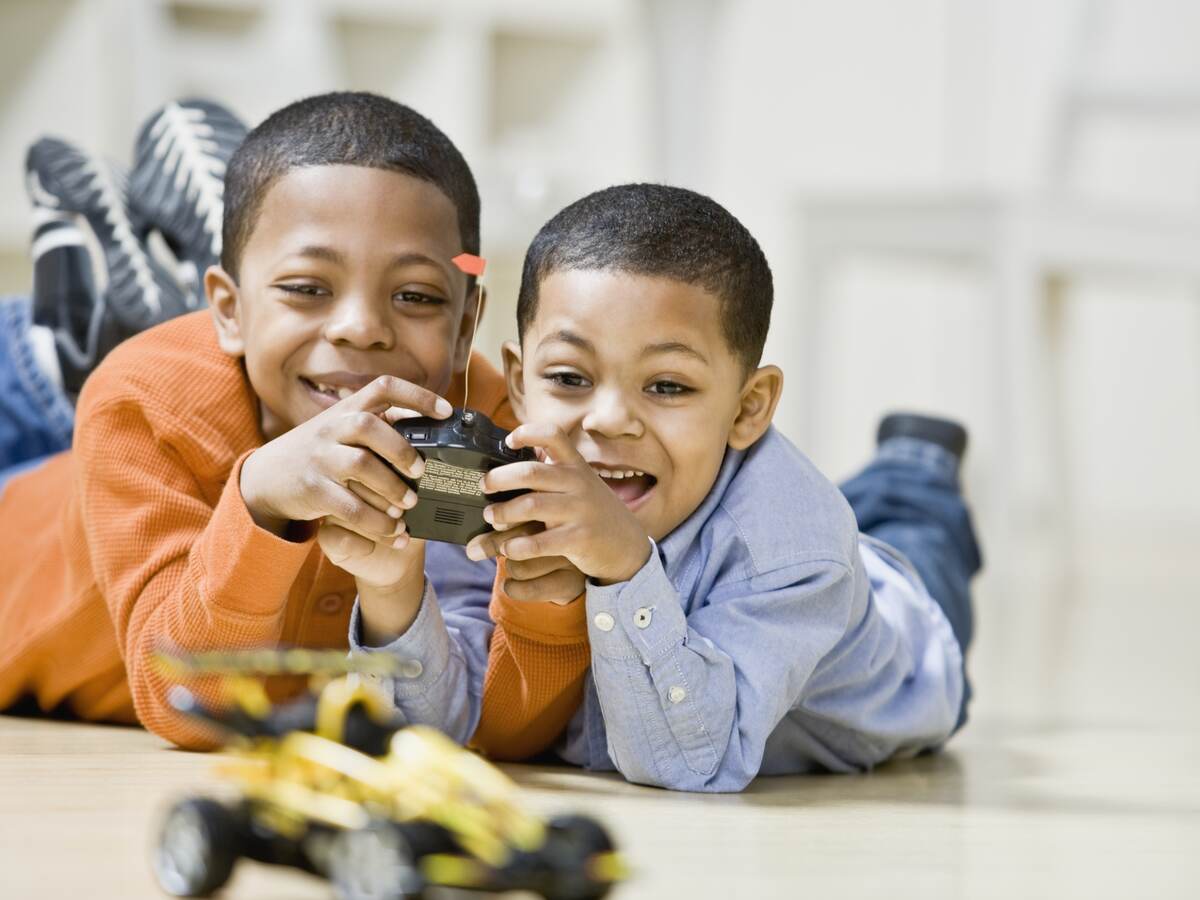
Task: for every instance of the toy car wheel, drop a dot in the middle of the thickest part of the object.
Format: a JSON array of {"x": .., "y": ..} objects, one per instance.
[
  {"x": 197, "y": 847},
  {"x": 374, "y": 863},
  {"x": 571, "y": 842}
]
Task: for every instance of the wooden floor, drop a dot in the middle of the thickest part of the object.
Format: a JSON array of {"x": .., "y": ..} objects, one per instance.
[
  {"x": 1018, "y": 811},
  {"x": 1079, "y": 776}
]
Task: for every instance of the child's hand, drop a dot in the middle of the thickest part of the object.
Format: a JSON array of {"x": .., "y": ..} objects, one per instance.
[
  {"x": 377, "y": 564},
  {"x": 341, "y": 466},
  {"x": 389, "y": 575},
  {"x": 546, "y": 579},
  {"x": 585, "y": 522}
]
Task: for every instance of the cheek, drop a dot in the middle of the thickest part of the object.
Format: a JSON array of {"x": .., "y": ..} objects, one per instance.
[
  {"x": 547, "y": 408},
  {"x": 696, "y": 447}
]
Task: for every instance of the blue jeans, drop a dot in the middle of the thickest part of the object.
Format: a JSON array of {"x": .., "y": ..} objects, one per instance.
[
  {"x": 909, "y": 497},
  {"x": 36, "y": 418}
]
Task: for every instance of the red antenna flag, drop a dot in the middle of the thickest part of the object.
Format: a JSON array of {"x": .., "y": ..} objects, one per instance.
[{"x": 470, "y": 263}]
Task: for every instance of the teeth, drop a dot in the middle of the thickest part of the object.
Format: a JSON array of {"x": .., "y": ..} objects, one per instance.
[
  {"x": 620, "y": 473},
  {"x": 340, "y": 392}
]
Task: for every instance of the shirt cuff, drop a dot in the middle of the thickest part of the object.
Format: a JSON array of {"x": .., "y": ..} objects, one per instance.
[
  {"x": 248, "y": 570},
  {"x": 639, "y": 618},
  {"x": 423, "y": 651}
]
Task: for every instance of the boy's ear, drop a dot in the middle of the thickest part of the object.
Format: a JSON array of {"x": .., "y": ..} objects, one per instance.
[
  {"x": 472, "y": 314},
  {"x": 514, "y": 377},
  {"x": 760, "y": 396},
  {"x": 224, "y": 300}
]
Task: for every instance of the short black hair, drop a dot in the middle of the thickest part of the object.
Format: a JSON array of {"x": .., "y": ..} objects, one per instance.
[
  {"x": 658, "y": 230},
  {"x": 352, "y": 128}
]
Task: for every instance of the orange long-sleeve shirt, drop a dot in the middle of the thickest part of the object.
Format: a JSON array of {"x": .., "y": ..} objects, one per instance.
[
  {"x": 537, "y": 661},
  {"x": 138, "y": 538}
]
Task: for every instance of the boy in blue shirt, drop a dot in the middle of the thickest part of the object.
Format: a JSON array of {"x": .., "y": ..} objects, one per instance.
[{"x": 729, "y": 617}]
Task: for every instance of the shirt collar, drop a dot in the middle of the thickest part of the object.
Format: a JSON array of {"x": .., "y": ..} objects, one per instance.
[{"x": 673, "y": 549}]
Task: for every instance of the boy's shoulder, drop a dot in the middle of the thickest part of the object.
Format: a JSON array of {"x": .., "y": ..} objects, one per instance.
[
  {"x": 785, "y": 511},
  {"x": 174, "y": 378}
]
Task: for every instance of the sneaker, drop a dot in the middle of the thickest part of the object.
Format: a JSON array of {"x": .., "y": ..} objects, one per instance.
[
  {"x": 177, "y": 186},
  {"x": 81, "y": 227},
  {"x": 948, "y": 435}
]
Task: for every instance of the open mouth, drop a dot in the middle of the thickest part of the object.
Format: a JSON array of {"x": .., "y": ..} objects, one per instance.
[
  {"x": 326, "y": 394},
  {"x": 631, "y": 486}
]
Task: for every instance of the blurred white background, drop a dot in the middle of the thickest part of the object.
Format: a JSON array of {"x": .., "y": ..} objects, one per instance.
[{"x": 1077, "y": 369}]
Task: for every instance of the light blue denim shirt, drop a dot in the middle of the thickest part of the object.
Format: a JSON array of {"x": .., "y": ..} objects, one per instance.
[{"x": 764, "y": 635}]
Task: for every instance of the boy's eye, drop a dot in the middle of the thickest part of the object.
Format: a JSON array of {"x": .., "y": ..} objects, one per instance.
[
  {"x": 303, "y": 290},
  {"x": 418, "y": 298},
  {"x": 669, "y": 388},
  {"x": 566, "y": 379}
]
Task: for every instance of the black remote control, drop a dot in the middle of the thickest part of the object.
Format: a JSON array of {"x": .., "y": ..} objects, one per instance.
[{"x": 458, "y": 451}]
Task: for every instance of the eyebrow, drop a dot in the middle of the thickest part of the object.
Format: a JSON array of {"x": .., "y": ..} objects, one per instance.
[
  {"x": 320, "y": 251},
  {"x": 317, "y": 251},
  {"x": 674, "y": 347},
  {"x": 568, "y": 337},
  {"x": 575, "y": 340}
]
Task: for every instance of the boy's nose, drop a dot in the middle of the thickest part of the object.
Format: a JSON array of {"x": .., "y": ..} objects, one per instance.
[
  {"x": 359, "y": 322},
  {"x": 611, "y": 416}
]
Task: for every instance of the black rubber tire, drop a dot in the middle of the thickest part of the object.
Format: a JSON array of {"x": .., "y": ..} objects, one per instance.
[
  {"x": 570, "y": 841},
  {"x": 198, "y": 844},
  {"x": 374, "y": 863}
]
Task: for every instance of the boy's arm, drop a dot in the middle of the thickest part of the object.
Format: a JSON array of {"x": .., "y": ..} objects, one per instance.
[
  {"x": 175, "y": 571},
  {"x": 445, "y": 651},
  {"x": 538, "y": 660},
  {"x": 690, "y": 702}
]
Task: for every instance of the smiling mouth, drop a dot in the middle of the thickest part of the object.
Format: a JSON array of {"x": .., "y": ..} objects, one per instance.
[
  {"x": 327, "y": 390},
  {"x": 630, "y": 485}
]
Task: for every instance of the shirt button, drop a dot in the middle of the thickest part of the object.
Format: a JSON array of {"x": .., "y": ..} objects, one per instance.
[
  {"x": 642, "y": 617},
  {"x": 676, "y": 694},
  {"x": 604, "y": 621},
  {"x": 330, "y": 604},
  {"x": 411, "y": 668}
]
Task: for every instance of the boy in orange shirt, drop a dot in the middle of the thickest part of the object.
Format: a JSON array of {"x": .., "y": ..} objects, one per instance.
[{"x": 233, "y": 479}]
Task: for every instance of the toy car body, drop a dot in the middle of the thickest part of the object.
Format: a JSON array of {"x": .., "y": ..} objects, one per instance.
[{"x": 333, "y": 785}]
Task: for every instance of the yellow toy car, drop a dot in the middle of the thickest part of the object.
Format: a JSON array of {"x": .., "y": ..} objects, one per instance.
[{"x": 333, "y": 784}]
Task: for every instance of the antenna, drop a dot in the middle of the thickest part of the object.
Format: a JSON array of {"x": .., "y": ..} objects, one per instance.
[
  {"x": 471, "y": 346},
  {"x": 471, "y": 264}
]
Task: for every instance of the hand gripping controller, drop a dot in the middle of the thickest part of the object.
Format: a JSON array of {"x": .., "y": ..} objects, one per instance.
[{"x": 457, "y": 451}]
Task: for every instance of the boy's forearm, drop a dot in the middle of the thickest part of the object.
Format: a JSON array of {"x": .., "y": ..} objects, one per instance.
[
  {"x": 538, "y": 659},
  {"x": 389, "y": 611}
]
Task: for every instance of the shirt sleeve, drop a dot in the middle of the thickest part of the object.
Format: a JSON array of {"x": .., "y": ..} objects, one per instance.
[
  {"x": 535, "y": 677},
  {"x": 689, "y": 703},
  {"x": 443, "y": 654},
  {"x": 176, "y": 572}
]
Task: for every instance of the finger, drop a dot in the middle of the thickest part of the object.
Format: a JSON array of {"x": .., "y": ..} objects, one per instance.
[
  {"x": 549, "y": 509},
  {"x": 530, "y": 476},
  {"x": 394, "y": 414},
  {"x": 398, "y": 537},
  {"x": 348, "y": 465},
  {"x": 378, "y": 501},
  {"x": 560, "y": 587},
  {"x": 528, "y": 569},
  {"x": 550, "y": 438},
  {"x": 487, "y": 545},
  {"x": 340, "y": 544},
  {"x": 387, "y": 391},
  {"x": 551, "y": 542},
  {"x": 370, "y": 432},
  {"x": 357, "y": 515}
]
